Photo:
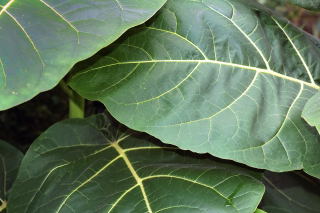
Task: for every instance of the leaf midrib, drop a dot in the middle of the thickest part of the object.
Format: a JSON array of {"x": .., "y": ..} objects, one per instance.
[{"x": 256, "y": 69}]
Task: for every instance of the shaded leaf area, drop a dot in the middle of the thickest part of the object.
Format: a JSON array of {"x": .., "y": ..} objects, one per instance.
[
  {"x": 225, "y": 77},
  {"x": 41, "y": 40},
  {"x": 291, "y": 193},
  {"x": 311, "y": 111},
  {"x": 91, "y": 165},
  {"x": 10, "y": 159}
]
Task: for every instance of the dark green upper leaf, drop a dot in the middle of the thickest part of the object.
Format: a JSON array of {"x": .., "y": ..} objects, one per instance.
[
  {"x": 291, "y": 193},
  {"x": 10, "y": 159},
  {"x": 225, "y": 77},
  {"x": 86, "y": 166},
  {"x": 41, "y": 40},
  {"x": 311, "y": 111}
]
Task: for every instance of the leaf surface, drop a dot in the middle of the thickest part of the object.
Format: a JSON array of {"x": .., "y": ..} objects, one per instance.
[
  {"x": 311, "y": 111},
  {"x": 41, "y": 40},
  {"x": 291, "y": 193},
  {"x": 90, "y": 166},
  {"x": 225, "y": 77},
  {"x": 10, "y": 159}
]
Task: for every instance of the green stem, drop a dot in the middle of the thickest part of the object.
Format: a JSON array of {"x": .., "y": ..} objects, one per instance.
[
  {"x": 76, "y": 102},
  {"x": 76, "y": 106},
  {"x": 260, "y": 211},
  {"x": 3, "y": 205}
]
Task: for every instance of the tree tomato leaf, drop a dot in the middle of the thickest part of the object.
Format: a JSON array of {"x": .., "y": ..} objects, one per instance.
[
  {"x": 290, "y": 193},
  {"x": 91, "y": 166},
  {"x": 10, "y": 159},
  {"x": 311, "y": 111},
  {"x": 225, "y": 77},
  {"x": 41, "y": 40}
]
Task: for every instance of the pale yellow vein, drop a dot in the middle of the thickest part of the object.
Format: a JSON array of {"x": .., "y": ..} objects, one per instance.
[
  {"x": 5, "y": 7},
  {"x": 134, "y": 174},
  {"x": 63, "y": 18},
  {"x": 85, "y": 182},
  {"x": 297, "y": 51}
]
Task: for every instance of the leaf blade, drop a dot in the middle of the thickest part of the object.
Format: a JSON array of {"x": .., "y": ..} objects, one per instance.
[
  {"x": 10, "y": 159},
  {"x": 50, "y": 37},
  {"x": 236, "y": 97},
  {"x": 290, "y": 192},
  {"x": 311, "y": 111},
  {"x": 116, "y": 172}
]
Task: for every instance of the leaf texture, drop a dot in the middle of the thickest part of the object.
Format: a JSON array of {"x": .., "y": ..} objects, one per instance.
[
  {"x": 311, "y": 111},
  {"x": 291, "y": 193},
  {"x": 10, "y": 159},
  {"x": 41, "y": 40},
  {"x": 225, "y": 77},
  {"x": 90, "y": 166}
]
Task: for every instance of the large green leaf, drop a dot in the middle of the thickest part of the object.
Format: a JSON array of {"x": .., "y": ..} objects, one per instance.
[
  {"x": 225, "y": 77},
  {"x": 41, "y": 40},
  {"x": 311, "y": 111},
  {"x": 291, "y": 193},
  {"x": 86, "y": 166},
  {"x": 10, "y": 159}
]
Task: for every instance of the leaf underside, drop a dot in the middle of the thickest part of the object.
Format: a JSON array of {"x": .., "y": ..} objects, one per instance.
[
  {"x": 225, "y": 77},
  {"x": 89, "y": 166},
  {"x": 10, "y": 159},
  {"x": 291, "y": 193},
  {"x": 41, "y": 40}
]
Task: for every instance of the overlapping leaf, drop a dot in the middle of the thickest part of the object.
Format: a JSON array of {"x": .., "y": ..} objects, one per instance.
[
  {"x": 291, "y": 193},
  {"x": 225, "y": 77},
  {"x": 41, "y": 40},
  {"x": 87, "y": 166},
  {"x": 10, "y": 159},
  {"x": 311, "y": 111},
  {"x": 309, "y": 4}
]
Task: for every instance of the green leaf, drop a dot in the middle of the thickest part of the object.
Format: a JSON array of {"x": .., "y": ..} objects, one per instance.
[
  {"x": 308, "y": 4},
  {"x": 225, "y": 77},
  {"x": 10, "y": 159},
  {"x": 41, "y": 40},
  {"x": 89, "y": 166},
  {"x": 291, "y": 193},
  {"x": 311, "y": 111}
]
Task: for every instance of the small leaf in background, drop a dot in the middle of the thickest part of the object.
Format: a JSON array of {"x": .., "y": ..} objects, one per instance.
[
  {"x": 10, "y": 159},
  {"x": 227, "y": 78},
  {"x": 311, "y": 111},
  {"x": 291, "y": 193},
  {"x": 308, "y": 4},
  {"x": 41, "y": 40},
  {"x": 91, "y": 166}
]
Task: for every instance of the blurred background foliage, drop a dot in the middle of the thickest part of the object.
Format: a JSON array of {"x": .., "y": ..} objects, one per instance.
[
  {"x": 22, "y": 124},
  {"x": 304, "y": 19}
]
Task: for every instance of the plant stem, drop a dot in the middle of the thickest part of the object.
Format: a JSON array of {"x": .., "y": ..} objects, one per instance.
[
  {"x": 260, "y": 211},
  {"x": 76, "y": 102},
  {"x": 76, "y": 106},
  {"x": 3, "y": 205}
]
